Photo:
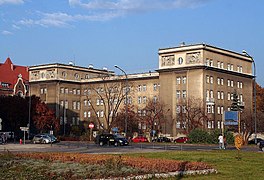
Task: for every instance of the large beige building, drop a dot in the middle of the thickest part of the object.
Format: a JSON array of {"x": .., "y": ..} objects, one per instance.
[{"x": 201, "y": 72}]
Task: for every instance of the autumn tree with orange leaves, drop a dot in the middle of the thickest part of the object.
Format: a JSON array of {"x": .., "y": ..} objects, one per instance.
[{"x": 43, "y": 118}]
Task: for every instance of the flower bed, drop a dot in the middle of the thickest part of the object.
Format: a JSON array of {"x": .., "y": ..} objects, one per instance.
[{"x": 145, "y": 165}]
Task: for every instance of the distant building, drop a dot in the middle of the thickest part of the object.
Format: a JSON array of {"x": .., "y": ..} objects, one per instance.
[
  {"x": 13, "y": 79},
  {"x": 199, "y": 71}
]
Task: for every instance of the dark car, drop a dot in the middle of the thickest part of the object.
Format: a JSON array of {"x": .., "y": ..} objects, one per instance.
[
  {"x": 181, "y": 140},
  {"x": 252, "y": 141},
  {"x": 161, "y": 139},
  {"x": 111, "y": 139},
  {"x": 261, "y": 145}
]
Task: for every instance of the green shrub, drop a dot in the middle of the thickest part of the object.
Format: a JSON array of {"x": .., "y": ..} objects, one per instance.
[{"x": 199, "y": 136}]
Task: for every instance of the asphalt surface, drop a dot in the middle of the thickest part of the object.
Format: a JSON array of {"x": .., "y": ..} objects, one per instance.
[{"x": 91, "y": 148}]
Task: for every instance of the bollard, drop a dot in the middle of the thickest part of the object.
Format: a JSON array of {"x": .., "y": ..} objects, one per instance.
[{"x": 20, "y": 141}]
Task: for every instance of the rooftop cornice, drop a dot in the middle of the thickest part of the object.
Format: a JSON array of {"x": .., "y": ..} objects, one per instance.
[
  {"x": 211, "y": 48},
  {"x": 66, "y": 66}
]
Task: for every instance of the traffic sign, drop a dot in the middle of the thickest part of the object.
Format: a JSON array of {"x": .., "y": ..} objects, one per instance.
[
  {"x": 24, "y": 128},
  {"x": 91, "y": 125}
]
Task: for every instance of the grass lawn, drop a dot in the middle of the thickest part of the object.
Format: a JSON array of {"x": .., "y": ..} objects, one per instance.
[{"x": 250, "y": 166}]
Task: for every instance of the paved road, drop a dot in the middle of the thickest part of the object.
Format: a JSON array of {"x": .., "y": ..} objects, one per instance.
[{"x": 91, "y": 148}]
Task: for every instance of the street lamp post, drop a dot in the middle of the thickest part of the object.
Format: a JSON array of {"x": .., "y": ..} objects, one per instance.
[
  {"x": 254, "y": 94},
  {"x": 125, "y": 97}
]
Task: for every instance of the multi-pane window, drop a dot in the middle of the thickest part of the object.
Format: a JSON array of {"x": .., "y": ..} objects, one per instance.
[
  {"x": 218, "y": 81},
  {"x": 155, "y": 87},
  {"x": 222, "y": 81},
  {"x": 144, "y": 99},
  {"x": 144, "y": 87},
  {"x": 241, "y": 98},
  {"x": 78, "y": 91},
  {"x": 228, "y": 66},
  {"x": 85, "y": 102},
  {"x": 144, "y": 112},
  {"x": 178, "y": 94},
  {"x": 85, "y": 114},
  {"x": 208, "y": 108},
  {"x": 222, "y": 110},
  {"x": 211, "y": 94},
  {"x": 74, "y": 91},
  {"x": 184, "y": 79},
  {"x": 89, "y": 114},
  {"x": 239, "y": 69},
  {"x": 211, "y": 79},
  {"x": 139, "y": 100},
  {"x": 62, "y": 90},
  {"x": 228, "y": 96},
  {"x": 178, "y": 109},
  {"x": 231, "y": 67},
  {"x": 218, "y": 109},
  {"x": 218, "y": 64},
  {"x": 222, "y": 65},
  {"x": 207, "y": 79},
  {"x": 184, "y": 110},
  {"x": 139, "y": 88},
  {"x": 232, "y": 83},
  {"x": 101, "y": 113},
  {"x": 66, "y": 104},
  {"x": 228, "y": 82},
  {"x": 97, "y": 102},
  {"x": 219, "y": 124},
  {"x": 218, "y": 95},
  {"x": 155, "y": 99},
  {"x": 184, "y": 94},
  {"x": 209, "y": 124},
  {"x": 239, "y": 85},
  {"x": 74, "y": 104},
  {"x": 222, "y": 95},
  {"x": 78, "y": 105},
  {"x": 61, "y": 103},
  {"x": 178, "y": 80},
  {"x": 211, "y": 63},
  {"x": 66, "y": 91}
]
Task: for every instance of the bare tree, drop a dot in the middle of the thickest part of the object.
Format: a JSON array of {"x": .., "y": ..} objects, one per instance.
[
  {"x": 105, "y": 101},
  {"x": 191, "y": 114},
  {"x": 153, "y": 114},
  {"x": 133, "y": 119}
]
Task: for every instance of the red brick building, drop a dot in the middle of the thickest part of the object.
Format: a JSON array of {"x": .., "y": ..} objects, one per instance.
[{"x": 13, "y": 79}]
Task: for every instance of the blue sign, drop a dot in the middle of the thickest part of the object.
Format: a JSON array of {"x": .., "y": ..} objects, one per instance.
[
  {"x": 115, "y": 129},
  {"x": 231, "y": 118}
]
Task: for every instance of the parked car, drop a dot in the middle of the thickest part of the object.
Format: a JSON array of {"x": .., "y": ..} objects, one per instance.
[
  {"x": 44, "y": 138},
  {"x": 161, "y": 139},
  {"x": 181, "y": 140},
  {"x": 111, "y": 139},
  {"x": 252, "y": 141},
  {"x": 261, "y": 145},
  {"x": 139, "y": 139}
]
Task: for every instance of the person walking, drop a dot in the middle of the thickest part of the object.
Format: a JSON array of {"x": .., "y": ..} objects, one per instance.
[{"x": 221, "y": 141}]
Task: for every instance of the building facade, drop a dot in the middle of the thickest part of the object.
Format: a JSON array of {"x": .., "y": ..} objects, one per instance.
[
  {"x": 203, "y": 73},
  {"x": 13, "y": 79}
]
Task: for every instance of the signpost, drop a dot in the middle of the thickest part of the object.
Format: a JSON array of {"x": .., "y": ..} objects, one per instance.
[
  {"x": 91, "y": 126},
  {"x": 24, "y": 129}
]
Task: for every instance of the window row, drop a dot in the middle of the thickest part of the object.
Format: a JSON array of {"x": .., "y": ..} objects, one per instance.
[
  {"x": 180, "y": 80},
  {"x": 76, "y": 75},
  {"x": 229, "y": 66},
  {"x": 180, "y": 94},
  {"x": 66, "y": 91},
  {"x": 221, "y": 95},
  {"x": 75, "y": 121}
]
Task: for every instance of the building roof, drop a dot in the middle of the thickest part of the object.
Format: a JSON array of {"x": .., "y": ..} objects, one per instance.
[{"x": 10, "y": 72}]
